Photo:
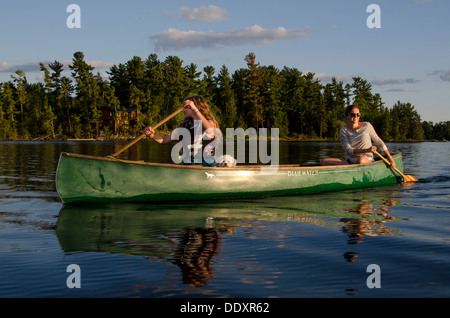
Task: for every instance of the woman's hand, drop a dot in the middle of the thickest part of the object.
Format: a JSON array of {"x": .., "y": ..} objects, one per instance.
[
  {"x": 392, "y": 161},
  {"x": 149, "y": 132},
  {"x": 190, "y": 105},
  {"x": 372, "y": 149}
]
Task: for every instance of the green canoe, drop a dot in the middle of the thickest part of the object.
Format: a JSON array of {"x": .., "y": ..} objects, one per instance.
[{"x": 83, "y": 179}]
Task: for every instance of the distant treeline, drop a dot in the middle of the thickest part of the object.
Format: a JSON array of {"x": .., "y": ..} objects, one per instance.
[{"x": 257, "y": 96}]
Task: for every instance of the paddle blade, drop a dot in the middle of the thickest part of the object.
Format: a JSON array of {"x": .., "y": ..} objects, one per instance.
[{"x": 409, "y": 178}]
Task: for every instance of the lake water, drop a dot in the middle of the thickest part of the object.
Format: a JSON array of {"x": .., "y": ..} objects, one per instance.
[{"x": 313, "y": 246}]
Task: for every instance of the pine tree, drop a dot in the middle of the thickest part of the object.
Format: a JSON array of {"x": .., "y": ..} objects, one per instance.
[
  {"x": 2, "y": 114},
  {"x": 175, "y": 79},
  {"x": 120, "y": 82},
  {"x": 274, "y": 111},
  {"x": 155, "y": 82},
  {"x": 314, "y": 107},
  {"x": 56, "y": 80},
  {"x": 395, "y": 123},
  {"x": 48, "y": 119},
  {"x": 253, "y": 99},
  {"x": 9, "y": 105},
  {"x": 238, "y": 84},
  {"x": 225, "y": 99},
  {"x": 21, "y": 82},
  {"x": 209, "y": 84},
  {"x": 33, "y": 117},
  {"x": 194, "y": 85},
  {"x": 385, "y": 125},
  {"x": 363, "y": 98},
  {"x": 86, "y": 94},
  {"x": 294, "y": 86},
  {"x": 334, "y": 95}
]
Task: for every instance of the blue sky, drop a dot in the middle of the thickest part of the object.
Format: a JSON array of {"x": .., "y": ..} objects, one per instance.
[{"x": 406, "y": 59}]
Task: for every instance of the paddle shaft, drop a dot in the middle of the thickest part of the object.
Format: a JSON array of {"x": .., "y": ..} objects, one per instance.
[
  {"x": 143, "y": 135},
  {"x": 387, "y": 162}
]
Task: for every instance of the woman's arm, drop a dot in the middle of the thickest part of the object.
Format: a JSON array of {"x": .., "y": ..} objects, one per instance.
[
  {"x": 158, "y": 138},
  {"x": 346, "y": 143},
  {"x": 377, "y": 140},
  {"x": 365, "y": 150},
  {"x": 207, "y": 124},
  {"x": 389, "y": 157}
]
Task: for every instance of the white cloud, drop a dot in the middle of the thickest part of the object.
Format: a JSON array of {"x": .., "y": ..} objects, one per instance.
[
  {"x": 100, "y": 64},
  {"x": 209, "y": 14},
  {"x": 382, "y": 81},
  {"x": 29, "y": 67},
  {"x": 404, "y": 90},
  {"x": 174, "y": 39},
  {"x": 35, "y": 66},
  {"x": 325, "y": 78},
  {"x": 3, "y": 65},
  {"x": 443, "y": 75}
]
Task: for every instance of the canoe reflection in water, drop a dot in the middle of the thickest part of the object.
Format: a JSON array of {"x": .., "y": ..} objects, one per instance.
[{"x": 190, "y": 235}]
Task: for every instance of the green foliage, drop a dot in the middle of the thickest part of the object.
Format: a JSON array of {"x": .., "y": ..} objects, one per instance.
[{"x": 296, "y": 103}]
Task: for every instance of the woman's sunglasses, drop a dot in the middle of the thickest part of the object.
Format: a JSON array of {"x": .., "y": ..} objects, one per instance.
[{"x": 355, "y": 114}]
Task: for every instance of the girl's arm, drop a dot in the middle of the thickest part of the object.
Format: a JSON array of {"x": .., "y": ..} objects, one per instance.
[{"x": 158, "y": 138}]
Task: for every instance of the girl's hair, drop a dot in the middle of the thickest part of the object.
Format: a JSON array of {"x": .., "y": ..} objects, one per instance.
[
  {"x": 203, "y": 107},
  {"x": 348, "y": 109}
]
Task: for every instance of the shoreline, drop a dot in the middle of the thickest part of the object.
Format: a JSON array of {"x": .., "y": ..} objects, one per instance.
[{"x": 129, "y": 139}]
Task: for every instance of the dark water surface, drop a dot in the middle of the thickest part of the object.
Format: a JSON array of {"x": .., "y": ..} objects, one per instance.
[{"x": 290, "y": 247}]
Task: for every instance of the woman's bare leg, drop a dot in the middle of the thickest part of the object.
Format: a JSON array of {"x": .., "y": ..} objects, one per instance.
[
  {"x": 363, "y": 160},
  {"x": 333, "y": 162}
]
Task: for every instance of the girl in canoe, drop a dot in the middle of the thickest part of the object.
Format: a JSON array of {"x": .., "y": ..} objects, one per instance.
[
  {"x": 196, "y": 112},
  {"x": 356, "y": 139}
]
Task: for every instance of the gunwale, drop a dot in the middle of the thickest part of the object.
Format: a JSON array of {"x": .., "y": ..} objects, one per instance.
[{"x": 236, "y": 168}]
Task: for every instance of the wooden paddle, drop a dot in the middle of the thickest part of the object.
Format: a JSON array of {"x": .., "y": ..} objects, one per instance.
[
  {"x": 406, "y": 178},
  {"x": 143, "y": 135}
]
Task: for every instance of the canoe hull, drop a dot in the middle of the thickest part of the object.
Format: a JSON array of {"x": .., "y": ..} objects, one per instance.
[{"x": 83, "y": 179}]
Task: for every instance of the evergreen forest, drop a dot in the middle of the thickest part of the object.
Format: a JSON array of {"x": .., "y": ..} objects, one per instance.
[{"x": 299, "y": 105}]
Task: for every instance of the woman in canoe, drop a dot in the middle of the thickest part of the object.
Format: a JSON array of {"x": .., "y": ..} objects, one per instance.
[
  {"x": 356, "y": 139},
  {"x": 196, "y": 111}
]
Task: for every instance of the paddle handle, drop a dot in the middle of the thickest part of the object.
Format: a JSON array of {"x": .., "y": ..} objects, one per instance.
[
  {"x": 387, "y": 162},
  {"x": 143, "y": 135}
]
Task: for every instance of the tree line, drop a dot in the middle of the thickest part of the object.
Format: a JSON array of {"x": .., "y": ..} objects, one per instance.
[{"x": 296, "y": 103}]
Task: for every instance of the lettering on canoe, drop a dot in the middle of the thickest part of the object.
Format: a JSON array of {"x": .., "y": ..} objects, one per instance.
[{"x": 299, "y": 173}]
